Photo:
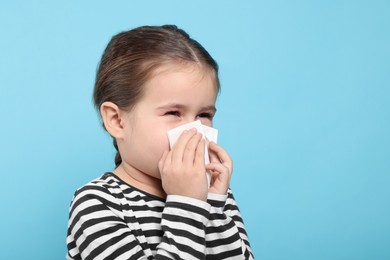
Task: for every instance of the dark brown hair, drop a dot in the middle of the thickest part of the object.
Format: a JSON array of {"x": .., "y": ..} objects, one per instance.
[{"x": 131, "y": 57}]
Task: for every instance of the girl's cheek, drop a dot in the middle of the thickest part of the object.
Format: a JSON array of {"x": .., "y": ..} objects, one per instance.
[
  {"x": 206, "y": 122},
  {"x": 164, "y": 142},
  {"x": 166, "y": 145}
]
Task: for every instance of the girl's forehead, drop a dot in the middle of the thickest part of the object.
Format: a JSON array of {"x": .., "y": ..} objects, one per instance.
[
  {"x": 181, "y": 82},
  {"x": 189, "y": 67},
  {"x": 195, "y": 71}
]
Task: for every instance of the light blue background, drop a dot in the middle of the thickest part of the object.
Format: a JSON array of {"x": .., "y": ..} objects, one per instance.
[{"x": 304, "y": 112}]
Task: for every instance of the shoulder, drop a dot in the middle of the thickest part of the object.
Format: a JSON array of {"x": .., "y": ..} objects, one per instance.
[
  {"x": 107, "y": 183},
  {"x": 106, "y": 189}
]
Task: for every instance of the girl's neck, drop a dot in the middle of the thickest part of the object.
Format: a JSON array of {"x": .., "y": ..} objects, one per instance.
[{"x": 140, "y": 180}]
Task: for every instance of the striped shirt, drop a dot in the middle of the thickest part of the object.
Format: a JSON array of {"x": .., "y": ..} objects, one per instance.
[{"x": 109, "y": 219}]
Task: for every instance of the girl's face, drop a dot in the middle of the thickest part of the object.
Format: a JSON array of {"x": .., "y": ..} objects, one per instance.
[{"x": 176, "y": 95}]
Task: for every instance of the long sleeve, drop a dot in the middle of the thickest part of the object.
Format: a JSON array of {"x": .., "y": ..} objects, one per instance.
[
  {"x": 100, "y": 229},
  {"x": 225, "y": 234},
  {"x": 184, "y": 224}
]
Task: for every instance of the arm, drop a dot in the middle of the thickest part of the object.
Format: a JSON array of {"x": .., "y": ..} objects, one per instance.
[
  {"x": 225, "y": 234},
  {"x": 98, "y": 228},
  {"x": 184, "y": 223}
]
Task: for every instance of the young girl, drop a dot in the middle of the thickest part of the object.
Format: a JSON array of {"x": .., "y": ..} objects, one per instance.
[{"x": 157, "y": 203}]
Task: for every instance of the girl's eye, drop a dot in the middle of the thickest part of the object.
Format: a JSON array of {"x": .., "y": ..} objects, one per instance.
[
  {"x": 173, "y": 113},
  {"x": 206, "y": 115}
]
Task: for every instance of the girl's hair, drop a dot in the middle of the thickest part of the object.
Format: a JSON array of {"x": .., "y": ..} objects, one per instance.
[{"x": 131, "y": 57}]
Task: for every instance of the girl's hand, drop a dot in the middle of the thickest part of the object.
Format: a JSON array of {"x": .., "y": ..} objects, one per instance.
[
  {"x": 220, "y": 167},
  {"x": 183, "y": 169}
]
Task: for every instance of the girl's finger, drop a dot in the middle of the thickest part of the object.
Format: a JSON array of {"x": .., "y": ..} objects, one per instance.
[
  {"x": 190, "y": 149},
  {"x": 220, "y": 178},
  {"x": 178, "y": 148},
  {"x": 213, "y": 156},
  {"x": 199, "y": 155},
  {"x": 217, "y": 167},
  {"x": 222, "y": 155}
]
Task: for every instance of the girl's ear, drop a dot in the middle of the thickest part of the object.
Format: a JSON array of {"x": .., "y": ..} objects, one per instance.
[{"x": 113, "y": 120}]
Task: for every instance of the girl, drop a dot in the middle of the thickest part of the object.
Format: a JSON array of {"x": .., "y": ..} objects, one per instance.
[{"x": 156, "y": 204}]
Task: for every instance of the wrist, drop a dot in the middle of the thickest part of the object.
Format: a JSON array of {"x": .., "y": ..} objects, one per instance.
[{"x": 217, "y": 200}]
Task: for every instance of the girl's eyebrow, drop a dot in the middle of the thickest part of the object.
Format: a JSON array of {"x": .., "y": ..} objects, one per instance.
[
  {"x": 210, "y": 108},
  {"x": 181, "y": 106}
]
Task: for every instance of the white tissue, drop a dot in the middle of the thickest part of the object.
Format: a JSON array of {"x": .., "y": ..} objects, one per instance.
[{"x": 207, "y": 132}]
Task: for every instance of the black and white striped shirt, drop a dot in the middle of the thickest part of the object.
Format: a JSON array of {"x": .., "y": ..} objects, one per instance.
[{"x": 109, "y": 219}]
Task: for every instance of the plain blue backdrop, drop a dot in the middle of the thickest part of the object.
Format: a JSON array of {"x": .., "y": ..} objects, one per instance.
[{"x": 304, "y": 112}]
